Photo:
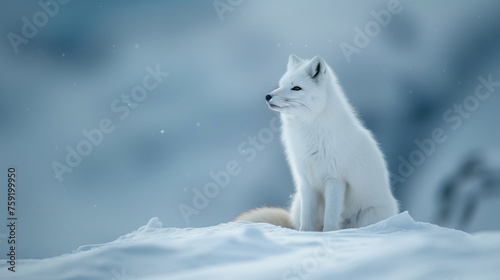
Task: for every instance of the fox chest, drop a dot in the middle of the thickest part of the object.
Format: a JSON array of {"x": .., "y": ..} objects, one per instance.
[{"x": 313, "y": 155}]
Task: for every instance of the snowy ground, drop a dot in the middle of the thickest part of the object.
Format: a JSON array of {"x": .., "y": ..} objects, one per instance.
[{"x": 397, "y": 248}]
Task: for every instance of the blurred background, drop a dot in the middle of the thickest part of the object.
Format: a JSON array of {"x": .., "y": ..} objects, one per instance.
[{"x": 65, "y": 68}]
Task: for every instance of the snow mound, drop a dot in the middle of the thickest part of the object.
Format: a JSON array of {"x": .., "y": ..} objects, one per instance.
[{"x": 397, "y": 248}]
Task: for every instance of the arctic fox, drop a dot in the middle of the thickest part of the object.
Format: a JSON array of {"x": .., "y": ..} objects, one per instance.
[{"x": 339, "y": 172}]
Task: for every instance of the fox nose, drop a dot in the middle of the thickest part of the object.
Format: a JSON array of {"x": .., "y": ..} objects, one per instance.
[{"x": 269, "y": 97}]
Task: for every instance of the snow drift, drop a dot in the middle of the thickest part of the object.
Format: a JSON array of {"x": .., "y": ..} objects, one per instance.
[{"x": 397, "y": 248}]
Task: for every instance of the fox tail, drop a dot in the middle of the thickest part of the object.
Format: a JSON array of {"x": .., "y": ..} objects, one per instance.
[{"x": 271, "y": 215}]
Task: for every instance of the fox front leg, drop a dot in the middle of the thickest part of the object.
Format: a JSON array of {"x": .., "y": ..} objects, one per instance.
[
  {"x": 308, "y": 208},
  {"x": 334, "y": 204}
]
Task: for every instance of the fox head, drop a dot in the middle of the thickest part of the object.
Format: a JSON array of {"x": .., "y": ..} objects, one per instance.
[{"x": 302, "y": 89}]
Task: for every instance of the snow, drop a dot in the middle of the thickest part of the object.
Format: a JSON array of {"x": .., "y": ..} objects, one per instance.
[{"x": 397, "y": 248}]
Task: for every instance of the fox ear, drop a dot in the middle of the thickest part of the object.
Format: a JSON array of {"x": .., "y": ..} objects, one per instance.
[
  {"x": 316, "y": 67},
  {"x": 293, "y": 60}
]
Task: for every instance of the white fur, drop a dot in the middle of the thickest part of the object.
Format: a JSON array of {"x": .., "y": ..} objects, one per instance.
[
  {"x": 270, "y": 215},
  {"x": 339, "y": 171}
]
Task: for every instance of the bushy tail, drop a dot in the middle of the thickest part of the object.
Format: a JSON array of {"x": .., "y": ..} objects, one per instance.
[{"x": 271, "y": 215}]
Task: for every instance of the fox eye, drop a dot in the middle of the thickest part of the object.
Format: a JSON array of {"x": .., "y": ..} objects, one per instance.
[{"x": 296, "y": 88}]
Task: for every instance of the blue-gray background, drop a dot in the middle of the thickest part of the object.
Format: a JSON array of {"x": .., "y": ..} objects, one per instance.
[{"x": 64, "y": 79}]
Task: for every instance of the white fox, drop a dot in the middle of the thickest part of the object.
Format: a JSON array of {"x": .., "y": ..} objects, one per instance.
[{"x": 340, "y": 174}]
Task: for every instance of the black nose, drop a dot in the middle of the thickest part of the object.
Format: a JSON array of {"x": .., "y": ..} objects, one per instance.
[{"x": 268, "y": 97}]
